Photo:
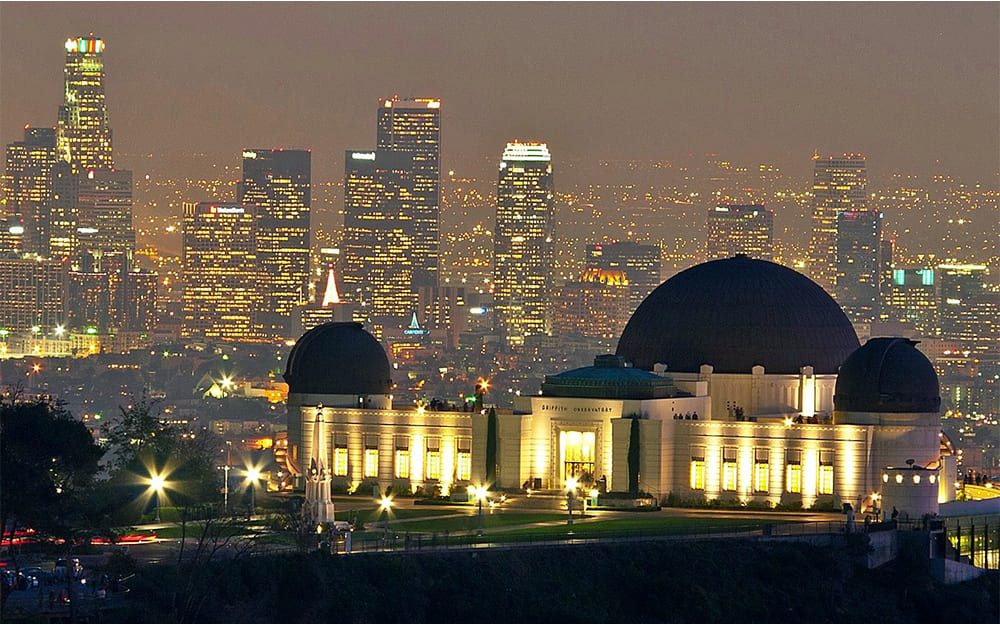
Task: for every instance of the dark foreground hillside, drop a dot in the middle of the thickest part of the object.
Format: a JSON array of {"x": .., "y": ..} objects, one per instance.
[{"x": 709, "y": 581}]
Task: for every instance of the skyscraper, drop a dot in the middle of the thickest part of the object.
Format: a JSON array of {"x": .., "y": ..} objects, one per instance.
[
  {"x": 913, "y": 299},
  {"x": 641, "y": 264},
  {"x": 838, "y": 185},
  {"x": 859, "y": 235},
  {"x": 595, "y": 307},
  {"x": 277, "y": 183},
  {"x": 740, "y": 229},
  {"x": 84, "y": 136},
  {"x": 377, "y": 251},
  {"x": 33, "y": 294},
  {"x": 967, "y": 310},
  {"x": 220, "y": 271},
  {"x": 413, "y": 125},
  {"x": 522, "y": 242},
  {"x": 138, "y": 311},
  {"x": 27, "y": 185},
  {"x": 104, "y": 212}
]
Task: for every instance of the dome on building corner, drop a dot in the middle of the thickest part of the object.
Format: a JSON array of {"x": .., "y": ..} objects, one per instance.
[
  {"x": 734, "y": 314},
  {"x": 887, "y": 375},
  {"x": 338, "y": 358}
]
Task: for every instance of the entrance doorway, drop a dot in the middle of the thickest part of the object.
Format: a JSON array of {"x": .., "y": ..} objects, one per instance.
[{"x": 576, "y": 453}]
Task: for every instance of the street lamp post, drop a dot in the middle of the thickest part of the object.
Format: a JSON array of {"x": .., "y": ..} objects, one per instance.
[
  {"x": 253, "y": 474},
  {"x": 384, "y": 505},
  {"x": 570, "y": 496},
  {"x": 479, "y": 492},
  {"x": 156, "y": 484},
  {"x": 225, "y": 470}
]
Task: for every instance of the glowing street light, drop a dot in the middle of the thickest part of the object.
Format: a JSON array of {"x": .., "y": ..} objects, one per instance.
[
  {"x": 384, "y": 506},
  {"x": 480, "y": 493},
  {"x": 157, "y": 485},
  {"x": 252, "y": 475},
  {"x": 59, "y": 330},
  {"x": 571, "y": 484}
]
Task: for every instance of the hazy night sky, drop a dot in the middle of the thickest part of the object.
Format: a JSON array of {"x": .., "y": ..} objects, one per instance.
[{"x": 903, "y": 83}]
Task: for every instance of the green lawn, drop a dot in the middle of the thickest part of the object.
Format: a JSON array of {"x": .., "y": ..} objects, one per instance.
[
  {"x": 644, "y": 525},
  {"x": 374, "y": 514},
  {"x": 467, "y": 521}
]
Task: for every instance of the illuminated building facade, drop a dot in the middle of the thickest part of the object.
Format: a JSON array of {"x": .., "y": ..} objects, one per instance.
[
  {"x": 104, "y": 205},
  {"x": 33, "y": 294},
  {"x": 277, "y": 184},
  {"x": 139, "y": 300},
  {"x": 859, "y": 235},
  {"x": 27, "y": 186},
  {"x": 839, "y": 185},
  {"x": 377, "y": 253},
  {"x": 413, "y": 126},
  {"x": 220, "y": 271},
  {"x": 794, "y": 413},
  {"x": 740, "y": 229},
  {"x": 596, "y": 306},
  {"x": 327, "y": 306},
  {"x": 641, "y": 264},
  {"x": 522, "y": 242},
  {"x": 84, "y": 134},
  {"x": 445, "y": 311},
  {"x": 913, "y": 299},
  {"x": 967, "y": 310},
  {"x": 88, "y": 299}
]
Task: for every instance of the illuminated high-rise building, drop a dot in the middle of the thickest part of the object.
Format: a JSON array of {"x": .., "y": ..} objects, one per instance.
[
  {"x": 740, "y": 229},
  {"x": 327, "y": 306},
  {"x": 104, "y": 212},
  {"x": 64, "y": 219},
  {"x": 838, "y": 185},
  {"x": 859, "y": 235},
  {"x": 221, "y": 278},
  {"x": 139, "y": 300},
  {"x": 33, "y": 294},
  {"x": 913, "y": 299},
  {"x": 277, "y": 183},
  {"x": 596, "y": 306},
  {"x": 27, "y": 185},
  {"x": 376, "y": 254},
  {"x": 641, "y": 264},
  {"x": 88, "y": 297},
  {"x": 522, "y": 242},
  {"x": 967, "y": 310},
  {"x": 413, "y": 125},
  {"x": 84, "y": 135}
]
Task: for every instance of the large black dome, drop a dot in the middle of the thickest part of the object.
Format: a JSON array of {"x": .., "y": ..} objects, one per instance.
[
  {"x": 338, "y": 359},
  {"x": 734, "y": 314},
  {"x": 887, "y": 375}
]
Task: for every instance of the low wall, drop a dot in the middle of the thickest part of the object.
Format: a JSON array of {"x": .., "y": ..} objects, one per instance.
[{"x": 952, "y": 572}]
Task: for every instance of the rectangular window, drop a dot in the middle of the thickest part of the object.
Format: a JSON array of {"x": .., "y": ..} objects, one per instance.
[
  {"x": 761, "y": 470},
  {"x": 340, "y": 461},
  {"x": 697, "y": 475},
  {"x": 793, "y": 473},
  {"x": 432, "y": 464},
  {"x": 464, "y": 467},
  {"x": 402, "y": 463},
  {"x": 697, "y": 468},
  {"x": 729, "y": 471},
  {"x": 826, "y": 472},
  {"x": 371, "y": 462}
]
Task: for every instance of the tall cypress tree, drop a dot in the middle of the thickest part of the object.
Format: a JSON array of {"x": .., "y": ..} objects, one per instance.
[
  {"x": 633, "y": 458},
  {"x": 491, "y": 447}
]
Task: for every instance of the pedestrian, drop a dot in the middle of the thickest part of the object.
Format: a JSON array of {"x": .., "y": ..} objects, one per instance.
[{"x": 895, "y": 513}]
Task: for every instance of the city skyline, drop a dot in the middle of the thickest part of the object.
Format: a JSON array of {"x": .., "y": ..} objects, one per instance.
[{"x": 684, "y": 74}]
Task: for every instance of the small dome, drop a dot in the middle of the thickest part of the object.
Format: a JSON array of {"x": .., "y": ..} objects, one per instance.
[
  {"x": 887, "y": 375},
  {"x": 609, "y": 378},
  {"x": 338, "y": 359},
  {"x": 734, "y": 314}
]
